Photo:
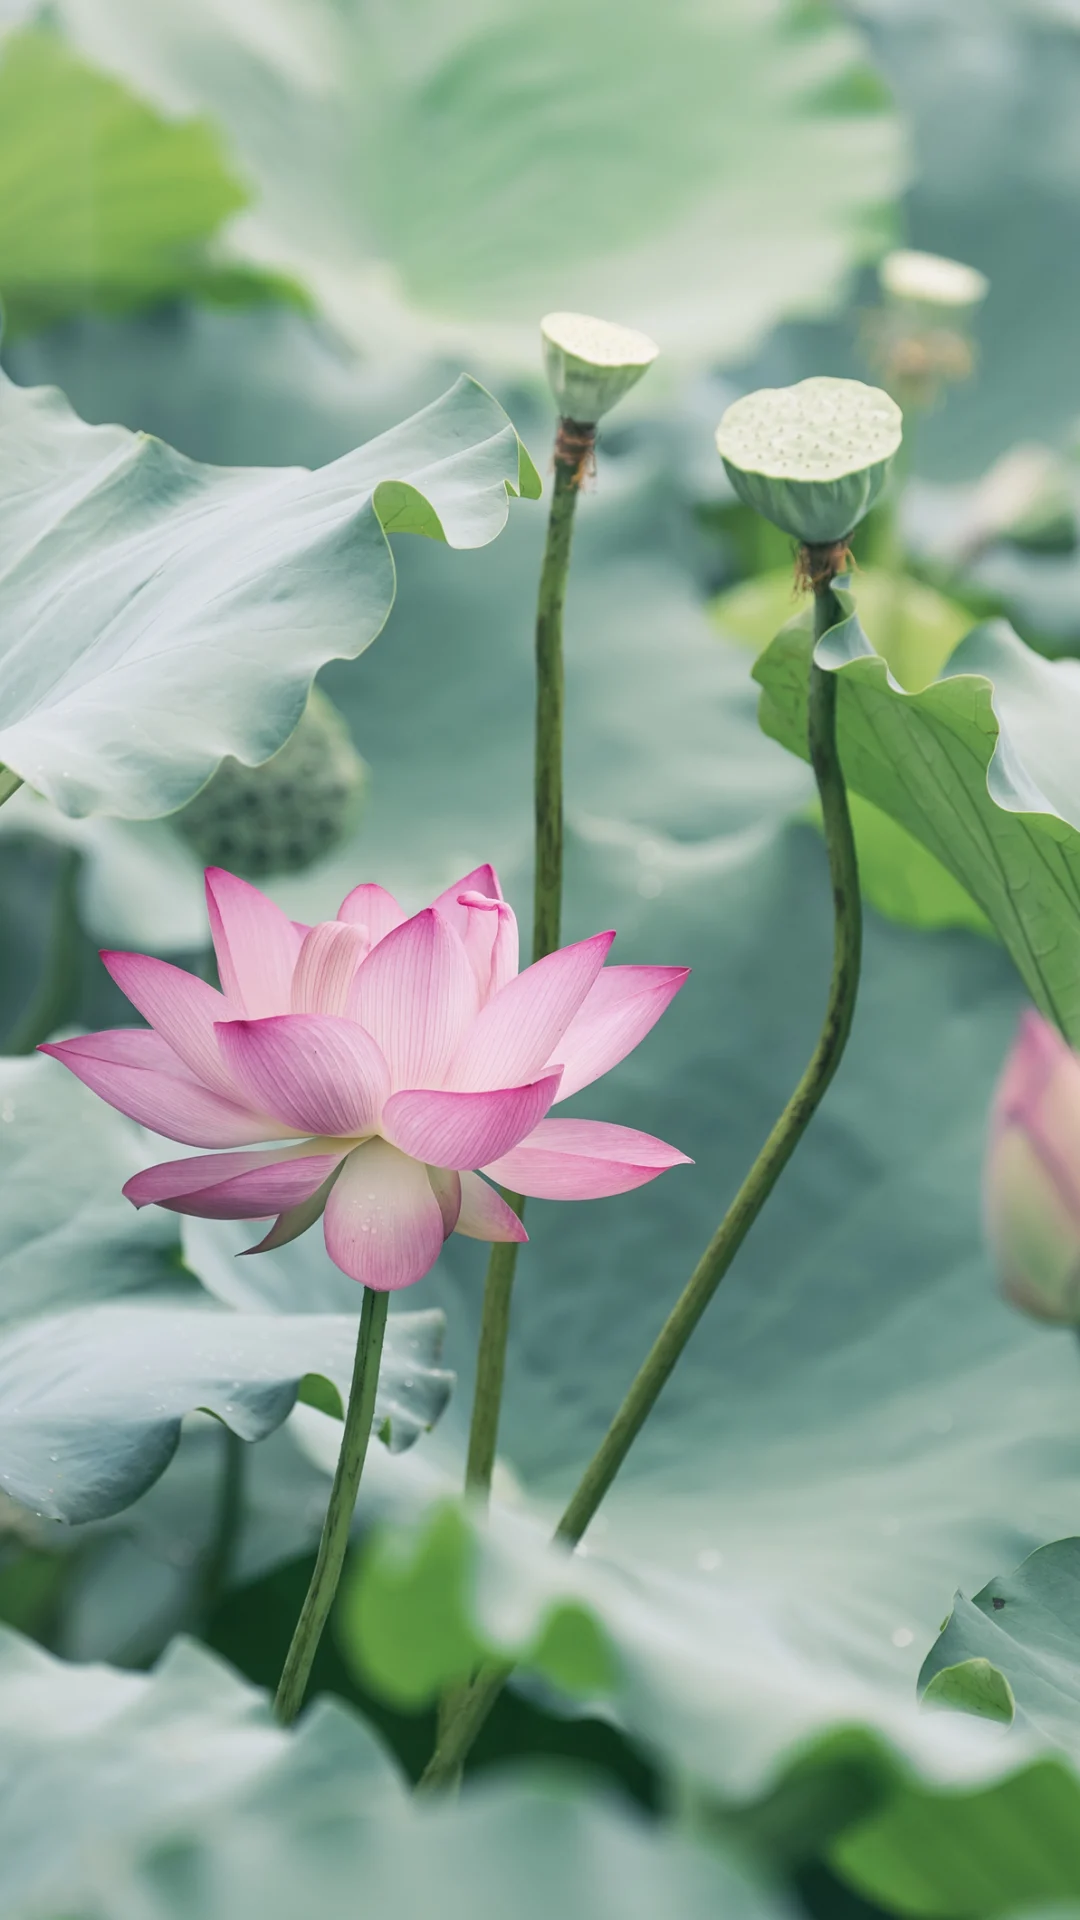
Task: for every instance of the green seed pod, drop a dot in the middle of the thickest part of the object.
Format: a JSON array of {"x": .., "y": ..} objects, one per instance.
[
  {"x": 287, "y": 814},
  {"x": 928, "y": 280},
  {"x": 811, "y": 458},
  {"x": 591, "y": 364}
]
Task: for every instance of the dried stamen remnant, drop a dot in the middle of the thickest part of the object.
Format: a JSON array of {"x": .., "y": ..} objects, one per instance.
[
  {"x": 818, "y": 565},
  {"x": 575, "y": 446}
]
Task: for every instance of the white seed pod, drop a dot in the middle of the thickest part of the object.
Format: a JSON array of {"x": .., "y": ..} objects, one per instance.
[
  {"x": 591, "y": 364},
  {"x": 287, "y": 814},
  {"x": 931, "y": 281},
  {"x": 811, "y": 458}
]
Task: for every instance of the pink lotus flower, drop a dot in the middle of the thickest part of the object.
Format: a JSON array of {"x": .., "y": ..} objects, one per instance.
[
  {"x": 396, "y": 1056},
  {"x": 1033, "y": 1174}
]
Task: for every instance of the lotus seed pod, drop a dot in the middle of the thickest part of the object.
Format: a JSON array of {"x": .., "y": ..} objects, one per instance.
[
  {"x": 591, "y": 364},
  {"x": 811, "y": 458},
  {"x": 929, "y": 280},
  {"x": 1033, "y": 1175},
  {"x": 287, "y": 814}
]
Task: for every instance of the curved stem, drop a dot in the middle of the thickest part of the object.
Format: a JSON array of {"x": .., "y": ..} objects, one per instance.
[
  {"x": 458, "y": 1735},
  {"x": 335, "y": 1534}
]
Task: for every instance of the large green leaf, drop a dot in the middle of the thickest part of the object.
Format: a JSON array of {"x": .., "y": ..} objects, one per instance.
[
  {"x": 980, "y": 765},
  {"x": 91, "y": 1402},
  {"x": 899, "y": 876},
  {"x": 174, "y": 1795},
  {"x": 133, "y": 1760},
  {"x": 104, "y": 204},
  {"x": 1016, "y": 1642},
  {"x": 158, "y": 614},
  {"x": 697, "y": 170},
  {"x": 1027, "y": 1625},
  {"x": 67, "y": 1235}
]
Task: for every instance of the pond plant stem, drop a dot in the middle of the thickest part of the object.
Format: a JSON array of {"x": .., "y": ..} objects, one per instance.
[
  {"x": 333, "y": 1546},
  {"x": 817, "y": 567},
  {"x": 574, "y": 450}
]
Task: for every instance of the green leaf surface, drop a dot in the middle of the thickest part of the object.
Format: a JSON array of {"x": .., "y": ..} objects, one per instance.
[
  {"x": 972, "y": 1686},
  {"x": 1026, "y": 1625},
  {"x": 158, "y": 614},
  {"x": 182, "y": 1800},
  {"x": 1009, "y": 1848},
  {"x": 440, "y": 182},
  {"x": 67, "y": 1235},
  {"x": 135, "y": 1761},
  {"x": 91, "y": 1402},
  {"x": 899, "y": 876},
  {"x": 980, "y": 766},
  {"x": 104, "y": 204}
]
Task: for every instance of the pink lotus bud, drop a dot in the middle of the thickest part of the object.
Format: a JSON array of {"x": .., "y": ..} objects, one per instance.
[{"x": 1033, "y": 1175}]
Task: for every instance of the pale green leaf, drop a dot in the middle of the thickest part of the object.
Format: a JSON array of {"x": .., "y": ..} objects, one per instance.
[
  {"x": 174, "y": 1796},
  {"x": 157, "y": 614},
  {"x": 91, "y": 1402},
  {"x": 980, "y": 766},
  {"x": 105, "y": 205},
  {"x": 442, "y": 180}
]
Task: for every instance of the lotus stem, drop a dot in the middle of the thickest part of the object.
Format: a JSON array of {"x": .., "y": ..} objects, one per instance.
[
  {"x": 459, "y": 1732},
  {"x": 574, "y": 444},
  {"x": 339, "y": 1513}
]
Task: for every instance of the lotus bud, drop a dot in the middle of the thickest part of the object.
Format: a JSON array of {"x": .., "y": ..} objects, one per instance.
[
  {"x": 811, "y": 458},
  {"x": 591, "y": 364},
  {"x": 287, "y": 814},
  {"x": 1033, "y": 1175}
]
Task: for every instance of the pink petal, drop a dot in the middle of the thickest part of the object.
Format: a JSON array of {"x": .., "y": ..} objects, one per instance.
[
  {"x": 461, "y": 1129},
  {"x": 446, "y": 1186},
  {"x": 516, "y": 1035},
  {"x": 181, "y": 1008},
  {"x": 482, "y": 880},
  {"x": 484, "y": 1213},
  {"x": 235, "y": 1186},
  {"x": 619, "y": 1009},
  {"x": 126, "y": 1047},
  {"x": 329, "y": 957},
  {"x": 490, "y": 938},
  {"x": 170, "y": 1103},
  {"x": 583, "y": 1160},
  {"x": 372, "y": 908},
  {"x": 319, "y": 1072},
  {"x": 383, "y": 1224},
  {"x": 256, "y": 945},
  {"x": 416, "y": 994}
]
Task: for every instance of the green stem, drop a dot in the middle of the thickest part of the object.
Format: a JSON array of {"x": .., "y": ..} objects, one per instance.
[
  {"x": 573, "y": 447},
  {"x": 491, "y": 1361},
  {"x": 459, "y": 1734},
  {"x": 335, "y": 1534},
  {"x": 574, "y": 444},
  {"x": 55, "y": 1001},
  {"x": 218, "y": 1558}
]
